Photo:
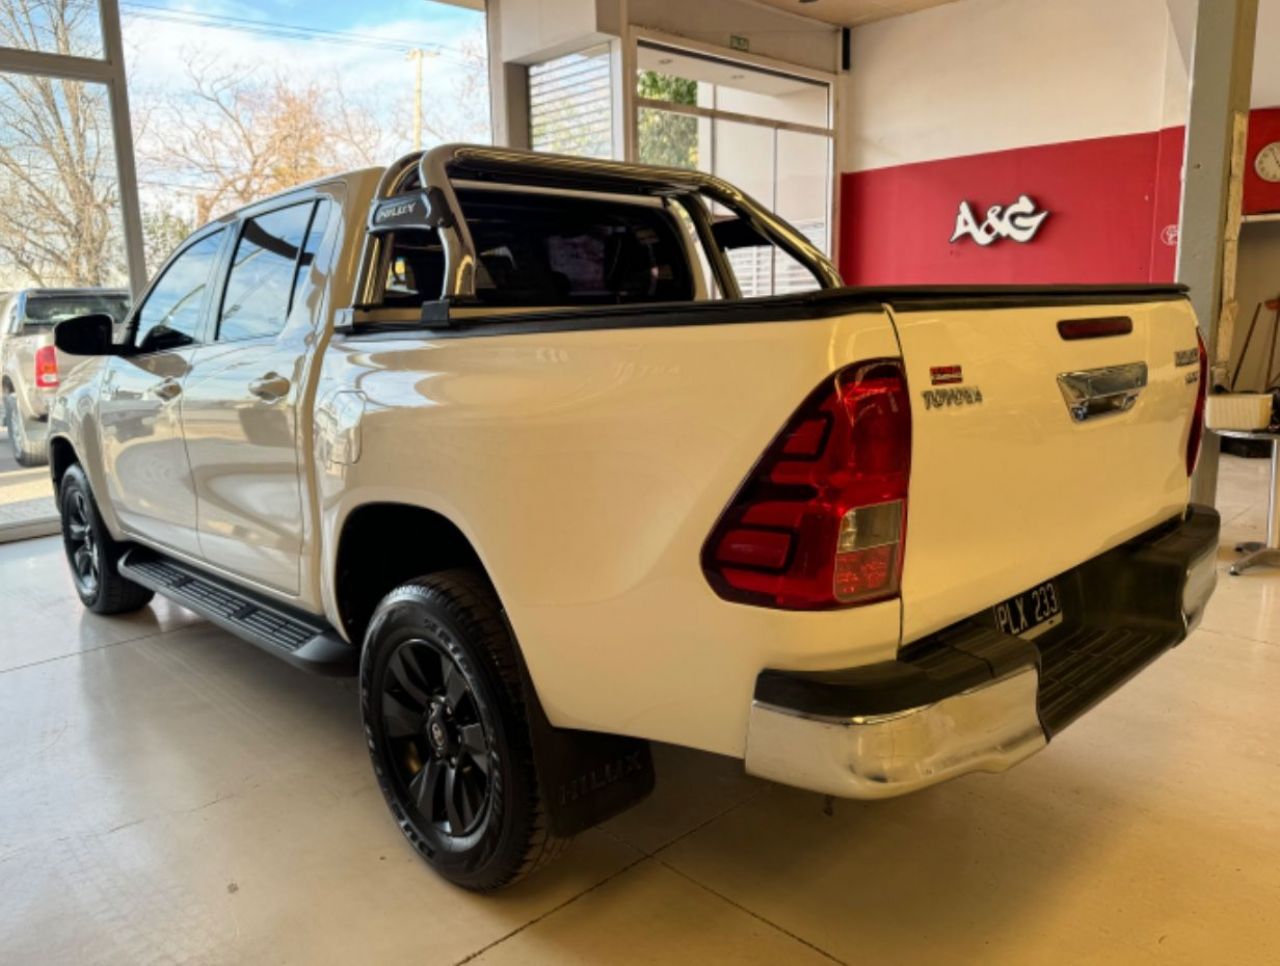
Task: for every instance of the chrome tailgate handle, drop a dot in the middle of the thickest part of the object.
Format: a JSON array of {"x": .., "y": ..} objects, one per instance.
[{"x": 1099, "y": 392}]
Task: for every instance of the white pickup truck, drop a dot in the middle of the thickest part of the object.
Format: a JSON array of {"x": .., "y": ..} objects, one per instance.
[{"x": 500, "y": 430}]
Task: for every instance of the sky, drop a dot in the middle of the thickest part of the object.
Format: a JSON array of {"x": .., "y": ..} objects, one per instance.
[
  {"x": 360, "y": 44},
  {"x": 364, "y": 45}
]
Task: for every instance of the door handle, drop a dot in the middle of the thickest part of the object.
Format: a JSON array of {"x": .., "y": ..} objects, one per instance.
[
  {"x": 270, "y": 387},
  {"x": 167, "y": 389}
]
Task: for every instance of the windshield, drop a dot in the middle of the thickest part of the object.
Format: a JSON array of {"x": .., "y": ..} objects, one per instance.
[{"x": 46, "y": 310}]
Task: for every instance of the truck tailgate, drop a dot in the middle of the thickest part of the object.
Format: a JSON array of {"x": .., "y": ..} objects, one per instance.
[{"x": 1008, "y": 487}]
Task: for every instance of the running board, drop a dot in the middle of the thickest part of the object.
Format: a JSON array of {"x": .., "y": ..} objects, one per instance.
[{"x": 299, "y": 638}]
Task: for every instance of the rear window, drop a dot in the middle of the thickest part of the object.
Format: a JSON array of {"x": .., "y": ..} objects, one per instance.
[
  {"x": 47, "y": 310},
  {"x": 561, "y": 250},
  {"x": 552, "y": 250}
]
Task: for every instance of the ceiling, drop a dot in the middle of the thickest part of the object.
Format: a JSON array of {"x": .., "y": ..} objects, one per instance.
[{"x": 847, "y": 13}]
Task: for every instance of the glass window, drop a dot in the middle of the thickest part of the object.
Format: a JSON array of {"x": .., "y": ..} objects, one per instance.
[
  {"x": 683, "y": 77},
  {"x": 668, "y": 139},
  {"x": 564, "y": 250},
  {"x": 60, "y": 217},
  {"x": 736, "y": 121},
  {"x": 171, "y": 316},
  {"x": 46, "y": 311},
  {"x": 571, "y": 104},
  {"x": 68, "y": 27},
  {"x": 263, "y": 270},
  {"x": 803, "y": 192}
]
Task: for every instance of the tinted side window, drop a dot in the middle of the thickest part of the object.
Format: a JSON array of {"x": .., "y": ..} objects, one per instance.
[
  {"x": 260, "y": 286},
  {"x": 561, "y": 250},
  {"x": 170, "y": 317}
]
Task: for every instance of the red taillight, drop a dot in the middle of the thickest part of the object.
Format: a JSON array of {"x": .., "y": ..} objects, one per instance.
[
  {"x": 821, "y": 520},
  {"x": 1197, "y": 414},
  {"x": 47, "y": 367}
]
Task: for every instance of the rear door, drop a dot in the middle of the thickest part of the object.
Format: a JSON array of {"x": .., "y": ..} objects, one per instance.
[
  {"x": 240, "y": 403},
  {"x": 148, "y": 477},
  {"x": 1009, "y": 487}
]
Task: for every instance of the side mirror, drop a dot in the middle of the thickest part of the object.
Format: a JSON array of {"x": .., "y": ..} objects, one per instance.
[{"x": 85, "y": 335}]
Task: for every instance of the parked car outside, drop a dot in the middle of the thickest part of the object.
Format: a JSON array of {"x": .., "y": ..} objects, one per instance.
[{"x": 29, "y": 362}]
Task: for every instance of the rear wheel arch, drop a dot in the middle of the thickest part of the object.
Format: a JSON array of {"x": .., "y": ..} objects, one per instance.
[
  {"x": 62, "y": 456},
  {"x": 383, "y": 545}
]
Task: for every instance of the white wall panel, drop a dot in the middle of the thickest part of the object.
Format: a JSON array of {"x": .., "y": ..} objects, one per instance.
[{"x": 988, "y": 75}]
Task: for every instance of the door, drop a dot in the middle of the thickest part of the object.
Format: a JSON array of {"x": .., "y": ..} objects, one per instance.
[
  {"x": 240, "y": 403},
  {"x": 148, "y": 476}
]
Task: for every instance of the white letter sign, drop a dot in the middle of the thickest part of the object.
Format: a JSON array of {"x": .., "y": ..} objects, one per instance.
[{"x": 1019, "y": 222}]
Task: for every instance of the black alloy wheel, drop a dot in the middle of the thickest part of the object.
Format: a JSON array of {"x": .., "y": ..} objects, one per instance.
[
  {"x": 440, "y": 746},
  {"x": 443, "y": 701},
  {"x": 91, "y": 552},
  {"x": 83, "y": 550}
]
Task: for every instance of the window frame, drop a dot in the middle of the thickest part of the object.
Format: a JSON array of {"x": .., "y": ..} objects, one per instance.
[
  {"x": 633, "y": 104},
  {"x": 276, "y": 205}
]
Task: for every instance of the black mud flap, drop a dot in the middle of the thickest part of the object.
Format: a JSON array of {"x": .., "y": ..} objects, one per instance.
[{"x": 588, "y": 776}]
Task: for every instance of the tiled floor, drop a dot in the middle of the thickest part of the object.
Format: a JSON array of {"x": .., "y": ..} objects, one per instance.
[
  {"x": 26, "y": 493},
  {"x": 169, "y": 794}
]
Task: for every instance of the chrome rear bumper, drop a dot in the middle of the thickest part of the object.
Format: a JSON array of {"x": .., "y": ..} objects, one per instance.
[
  {"x": 974, "y": 699},
  {"x": 987, "y": 728}
]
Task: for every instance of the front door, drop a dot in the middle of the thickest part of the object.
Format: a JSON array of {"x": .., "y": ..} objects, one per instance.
[
  {"x": 240, "y": 403},
  {"x": 147, "y": 473}
]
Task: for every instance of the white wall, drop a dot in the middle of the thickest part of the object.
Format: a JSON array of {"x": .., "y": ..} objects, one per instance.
[
  {"x": 988, "y": 75},
  {"x": 1266, "y": 59},
  {"x": 530, "y": 31}
]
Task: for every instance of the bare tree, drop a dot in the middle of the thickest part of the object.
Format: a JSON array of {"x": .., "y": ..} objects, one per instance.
[
  {"x": 59, "y": 197},
  {"x": 238, "y": 135}
]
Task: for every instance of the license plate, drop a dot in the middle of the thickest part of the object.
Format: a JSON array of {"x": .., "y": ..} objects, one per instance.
[{"x": 1031, "y": 613}]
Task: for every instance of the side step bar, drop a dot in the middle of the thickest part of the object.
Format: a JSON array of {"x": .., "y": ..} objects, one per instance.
[{"x": 301, "y": 639}]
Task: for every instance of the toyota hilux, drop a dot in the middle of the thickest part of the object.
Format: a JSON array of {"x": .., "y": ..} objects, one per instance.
[{"x": 511, "y": 437}]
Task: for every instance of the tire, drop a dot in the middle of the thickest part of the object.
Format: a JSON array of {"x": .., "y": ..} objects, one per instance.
[
  {"x": 27, "y": 450},
  {"x": 91, "y": 552},
  {"x": 444, "y": 716}
]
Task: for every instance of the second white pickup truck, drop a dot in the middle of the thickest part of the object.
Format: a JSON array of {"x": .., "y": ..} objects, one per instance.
[{"x": 500, "y": 429}]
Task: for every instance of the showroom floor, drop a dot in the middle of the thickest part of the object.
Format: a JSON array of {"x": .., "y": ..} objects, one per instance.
[{"x": 170, "y": 794}]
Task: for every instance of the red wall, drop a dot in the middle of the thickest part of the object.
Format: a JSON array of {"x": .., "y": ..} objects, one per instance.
[
  {"x": 1113, "y": 205},
  {"x": 1259, "y": 195},
  {"x": 1108, "y": 198}
]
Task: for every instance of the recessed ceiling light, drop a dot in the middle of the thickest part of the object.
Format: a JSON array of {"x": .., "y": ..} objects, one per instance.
[
  {"x": 735, "y": 77},
  {"x": 664, "y": 61}
]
